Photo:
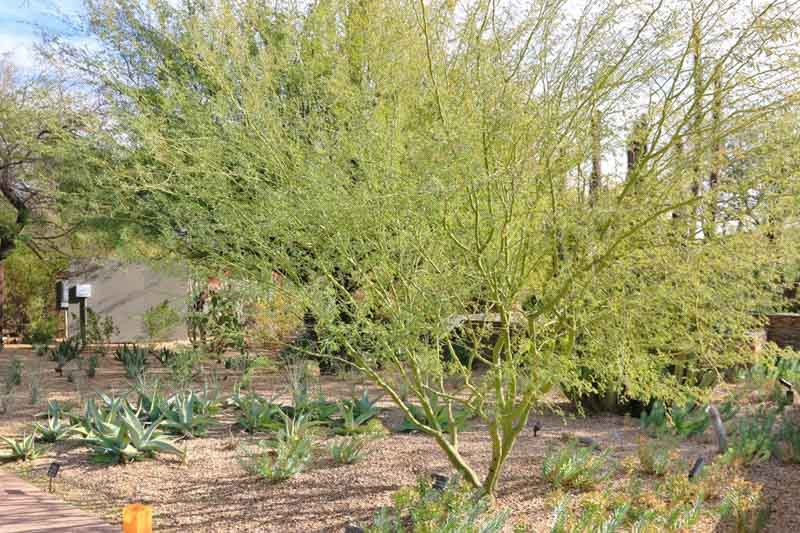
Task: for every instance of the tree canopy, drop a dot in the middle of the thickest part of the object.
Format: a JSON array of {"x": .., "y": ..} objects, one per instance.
[{"x": 404, "y": 163}]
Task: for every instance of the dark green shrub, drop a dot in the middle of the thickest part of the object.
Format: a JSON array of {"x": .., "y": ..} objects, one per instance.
[
  {"x": 220, "y": 325},
  {"x": 41, "y": 332},
  {"x": 99, "y": 330},
  {"x": 183, "y": 367}
]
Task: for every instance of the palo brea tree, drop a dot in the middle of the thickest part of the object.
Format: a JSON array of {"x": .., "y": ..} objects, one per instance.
[{"x": 435, "y": 157}]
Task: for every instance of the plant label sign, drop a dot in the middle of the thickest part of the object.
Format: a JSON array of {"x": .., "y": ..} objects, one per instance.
[{"x": 53, "y": 470}]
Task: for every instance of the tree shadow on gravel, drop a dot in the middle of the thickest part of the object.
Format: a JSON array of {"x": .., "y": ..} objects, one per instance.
[{"x": 246, "y": 501}]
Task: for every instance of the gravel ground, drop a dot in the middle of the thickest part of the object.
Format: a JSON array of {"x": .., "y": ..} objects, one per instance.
[{"x": 212, "y": 493}]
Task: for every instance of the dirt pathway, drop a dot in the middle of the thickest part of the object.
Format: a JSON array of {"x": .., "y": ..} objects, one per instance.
[{"x": 26, "y": 509}]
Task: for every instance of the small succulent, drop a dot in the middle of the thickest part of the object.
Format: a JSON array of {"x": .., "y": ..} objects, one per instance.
[
  {"x": 55, "y": 430},
  {"x": 348, "y": 450},
  {"x": 21, "y": 450},
  {"x": 182, "y": 418},
  {"x": 133, "y": 358}
]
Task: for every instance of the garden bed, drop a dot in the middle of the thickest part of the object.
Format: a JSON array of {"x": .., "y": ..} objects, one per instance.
[{"x": 211, "y": 491}]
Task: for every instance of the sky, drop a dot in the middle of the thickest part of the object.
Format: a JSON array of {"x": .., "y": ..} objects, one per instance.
[{"x": 21, "y": 22}]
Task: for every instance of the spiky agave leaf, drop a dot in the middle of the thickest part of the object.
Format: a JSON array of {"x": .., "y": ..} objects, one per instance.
[
  {"x": 24, "y": 449},
  {"x": 184, "y": 418},
  {"x": 54, "y": 430},
  {"x": 148, "y": 440}
]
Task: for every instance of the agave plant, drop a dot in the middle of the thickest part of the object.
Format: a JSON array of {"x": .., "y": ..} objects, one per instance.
[
  {"x": 24, "y": 449},
  {"x": 365, "y": 407},
  {"x": 165, "y": 356},
  {"x": 207, "y": 401},
  {"x": 236, "y": 399},
  {"x": 151, "y": 402},
  {"x": 55, "y": 409},
  {"x": 66, "y": 351},
  {"x": 258, "y": 414},
  {"x": 182, "y": 416},
  {"x": 288, "y": 453},
  {"x": 352, "y": 423},
  {"x": 441, "y": 415},
  {"x": 54, "y": 430},
  {"x": 349, "y": 450},
  {"x": 133, "y": 358},
  {"x": 120, "y": 437}
]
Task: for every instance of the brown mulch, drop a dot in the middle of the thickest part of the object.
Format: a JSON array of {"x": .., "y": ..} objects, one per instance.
[{"x": 211, "y": 492}]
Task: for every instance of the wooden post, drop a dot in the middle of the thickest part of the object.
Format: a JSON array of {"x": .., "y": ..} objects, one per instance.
[
  {"x": 82, "y": 307},
  {"x": 719, "y": 428}
]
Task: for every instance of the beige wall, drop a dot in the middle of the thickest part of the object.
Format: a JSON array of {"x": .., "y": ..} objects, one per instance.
[{"x": 126, "y": 290}]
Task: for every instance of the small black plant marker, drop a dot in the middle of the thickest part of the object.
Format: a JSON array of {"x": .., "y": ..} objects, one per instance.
[
  {"x": 350, "y": 528},
  {"x": 536, "y": 428},
  {"x": 789, "y": 389},
  {"x": 697, "y": 468},
  {"x": 439, "y": 481},
  {"x": 52, "y": 472}
]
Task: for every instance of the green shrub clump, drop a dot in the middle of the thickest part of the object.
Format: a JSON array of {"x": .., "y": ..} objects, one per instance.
[
  {"x": 426, "y": 509},
  {"x": 287, "y": 454},
  {"x": 574, "y": 466}
]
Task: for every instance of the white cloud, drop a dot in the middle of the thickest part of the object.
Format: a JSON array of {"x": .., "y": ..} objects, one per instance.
[{"x": 19, "y": 48}]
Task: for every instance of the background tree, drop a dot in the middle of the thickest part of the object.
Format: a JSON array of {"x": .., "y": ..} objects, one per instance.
[{"x": 36, "y": 115}]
